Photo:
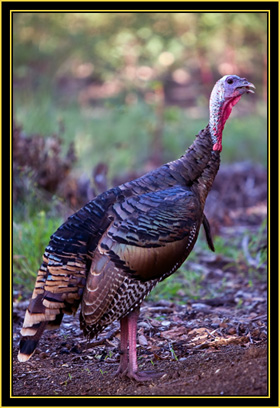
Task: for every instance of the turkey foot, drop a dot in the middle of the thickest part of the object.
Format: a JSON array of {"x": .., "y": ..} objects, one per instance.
[
  {"x": 137, "y": 375},
  {"x": 143, "y": 375}
]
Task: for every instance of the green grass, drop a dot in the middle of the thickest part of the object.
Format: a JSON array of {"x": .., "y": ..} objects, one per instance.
[{"x": 29, "y": 241}]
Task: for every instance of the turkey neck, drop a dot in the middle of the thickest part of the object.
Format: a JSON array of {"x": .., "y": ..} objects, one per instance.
[
  {"x": 199, "y": 165},
  {"x": 201, "y": 161}
]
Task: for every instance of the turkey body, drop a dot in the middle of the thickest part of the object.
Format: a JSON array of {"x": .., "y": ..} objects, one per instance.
[{"x": 111, "y": 253}]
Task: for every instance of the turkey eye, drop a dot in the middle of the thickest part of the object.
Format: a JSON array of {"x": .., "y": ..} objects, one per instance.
[{"x": 230, "y": 81}]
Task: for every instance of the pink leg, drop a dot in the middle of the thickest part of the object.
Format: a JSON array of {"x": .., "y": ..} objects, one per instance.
[
  {"x": 132, "y": 341},
  {"x": 123, "y": 367},
  {"x": 132, "y": 365}
]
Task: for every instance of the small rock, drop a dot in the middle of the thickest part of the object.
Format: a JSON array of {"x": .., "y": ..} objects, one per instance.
[{"x": 165, "y": 323}]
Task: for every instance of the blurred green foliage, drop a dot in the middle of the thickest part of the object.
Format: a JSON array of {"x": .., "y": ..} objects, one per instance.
[
  {"x": 102, "y": 78},
  {"x": 123, "y": 135},
  {"x": 54, "y": 44}
]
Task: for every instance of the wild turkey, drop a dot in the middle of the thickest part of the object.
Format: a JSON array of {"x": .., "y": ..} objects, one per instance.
[{"x": 111, "y": 253}]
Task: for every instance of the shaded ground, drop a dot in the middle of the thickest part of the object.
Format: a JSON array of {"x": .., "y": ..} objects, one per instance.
[
  {"x": 201, "y": 350},
  {"x": 211, "y": 346}
]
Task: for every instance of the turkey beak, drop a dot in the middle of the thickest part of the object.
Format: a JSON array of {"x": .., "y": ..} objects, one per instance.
[
  {"x": 248, "y": 86},
  {"x": 245, "y": 87}
]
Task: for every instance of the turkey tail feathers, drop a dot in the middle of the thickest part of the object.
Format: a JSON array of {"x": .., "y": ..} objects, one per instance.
[
  {"x": 27, "y": 348},
  {"x": 28, "y": 344}
]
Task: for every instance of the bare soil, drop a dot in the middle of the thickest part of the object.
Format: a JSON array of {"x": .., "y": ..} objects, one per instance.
[{"x": 214, "y": 352}]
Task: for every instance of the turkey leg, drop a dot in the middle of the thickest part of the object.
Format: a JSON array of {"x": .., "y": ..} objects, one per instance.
[
  {"x": 124, "y": 342},
  {"x": 128, "y": 366}
]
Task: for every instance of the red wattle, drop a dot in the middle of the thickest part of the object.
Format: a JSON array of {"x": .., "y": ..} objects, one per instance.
[
  {"x": 218, "y": 146},
  {"x": 226, "y": 111}
]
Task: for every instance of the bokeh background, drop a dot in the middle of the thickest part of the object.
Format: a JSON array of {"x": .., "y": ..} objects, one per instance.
[{"x": 100, "y": 98}]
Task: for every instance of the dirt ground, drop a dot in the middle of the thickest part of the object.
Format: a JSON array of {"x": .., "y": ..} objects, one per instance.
[
  {"x": 211, "y": 354},
  {"x": 215, "y": 346}
]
